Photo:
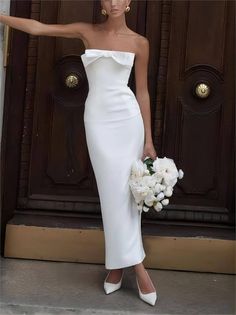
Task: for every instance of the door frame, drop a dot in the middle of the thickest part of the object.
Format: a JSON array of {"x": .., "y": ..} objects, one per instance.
[{"x": 13, "y": 115}]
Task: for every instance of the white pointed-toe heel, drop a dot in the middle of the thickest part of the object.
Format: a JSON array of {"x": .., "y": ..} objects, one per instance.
[
  {"x": 111, "y": 287},
  {"x": 149, "y": 298}
]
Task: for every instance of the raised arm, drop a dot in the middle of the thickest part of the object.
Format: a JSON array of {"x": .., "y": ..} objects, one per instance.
[{"x": 34, "y": 27}]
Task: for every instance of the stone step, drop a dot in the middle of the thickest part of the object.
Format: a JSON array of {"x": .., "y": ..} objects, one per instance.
[{"x": 49, "y": 287}]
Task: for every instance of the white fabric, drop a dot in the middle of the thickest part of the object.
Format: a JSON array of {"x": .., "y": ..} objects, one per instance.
[{"x": 115, "y": 138}]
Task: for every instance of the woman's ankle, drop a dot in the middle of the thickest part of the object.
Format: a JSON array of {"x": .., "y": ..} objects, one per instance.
[
  {"x": 139, "y": 268},
  {"x": 114, "y": 275}
]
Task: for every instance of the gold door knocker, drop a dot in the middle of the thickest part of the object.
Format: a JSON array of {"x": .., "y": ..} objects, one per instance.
[{"x": 72, "y": 80}]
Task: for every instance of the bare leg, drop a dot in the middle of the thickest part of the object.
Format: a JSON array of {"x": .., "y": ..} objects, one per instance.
[
  {"x": 114, "y": 275},
  {"x": 144, "y": 280}
]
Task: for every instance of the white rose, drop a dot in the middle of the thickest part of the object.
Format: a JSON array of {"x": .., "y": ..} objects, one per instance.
[
  {"x": 165, "y": 202},
  {"x": 137, "y": 191},
  {"x": 145, "y": 209},
  {"x": 138, "y": 168},
  {"x": 157, "y": 177},
  {"x": 168, "y": 191},
  {"x": 181, "y": 174},
  {"x": 158, "y": 188},
  {"x": 158, "y": 206},
  {"x": 160, "y": 196},
  {"x": 148, "y": 181},
  {"x": 169, "y": 179},
  {"x": 150, "y": 198}
]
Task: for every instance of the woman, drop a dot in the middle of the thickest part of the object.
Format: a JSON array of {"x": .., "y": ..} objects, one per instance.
[{"x": 118, "y": 129}]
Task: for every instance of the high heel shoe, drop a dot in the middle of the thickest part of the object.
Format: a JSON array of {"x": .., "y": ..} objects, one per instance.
[
  {"x": 149, "y": 298},
  {"x": 111, "y": 287}
]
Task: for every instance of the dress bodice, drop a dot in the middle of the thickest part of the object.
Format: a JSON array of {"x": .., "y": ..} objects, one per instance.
[
  {"x": 122, "y": 57},
  {"x": 107, "y": 66},
  {"x": 109, "y": 97}
]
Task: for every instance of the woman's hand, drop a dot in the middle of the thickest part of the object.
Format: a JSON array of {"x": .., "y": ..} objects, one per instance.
[{"x": 149, "y": 150}]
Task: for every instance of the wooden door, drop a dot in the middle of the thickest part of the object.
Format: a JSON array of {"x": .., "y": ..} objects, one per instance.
[
  {"x": 59, "y": 175},
  {"x": 191, "y": 42},
  {"x": 197, "y": 51}
]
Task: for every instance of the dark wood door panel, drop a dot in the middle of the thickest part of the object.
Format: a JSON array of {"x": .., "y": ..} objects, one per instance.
[
  {"x": 60, "y": 174},
  {"x": 198, "y": 131}
]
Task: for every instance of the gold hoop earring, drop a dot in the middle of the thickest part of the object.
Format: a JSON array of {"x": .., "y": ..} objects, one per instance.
[
  {"x": 104, "y": 12},
  {"x": 127, "y": 9}
]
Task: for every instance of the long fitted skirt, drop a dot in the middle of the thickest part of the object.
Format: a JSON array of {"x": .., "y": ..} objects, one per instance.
[{"x": 113, "y": 145}]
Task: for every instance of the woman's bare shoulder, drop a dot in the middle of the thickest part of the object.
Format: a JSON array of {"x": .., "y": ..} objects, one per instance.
[
  {"x": 142, "y": 45},
  {"x": 140, "y": 41}
]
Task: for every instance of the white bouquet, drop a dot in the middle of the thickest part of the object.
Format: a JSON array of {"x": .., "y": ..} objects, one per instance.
[{"x": 152, "y": 181}]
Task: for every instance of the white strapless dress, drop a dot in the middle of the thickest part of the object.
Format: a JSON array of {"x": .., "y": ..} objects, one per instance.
[{"x": 115, "y": 138}]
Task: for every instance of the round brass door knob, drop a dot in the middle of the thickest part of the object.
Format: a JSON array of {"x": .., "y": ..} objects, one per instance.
[
  {"x": 72, "y": 81},
  {"x": 202, "y": 90}
]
